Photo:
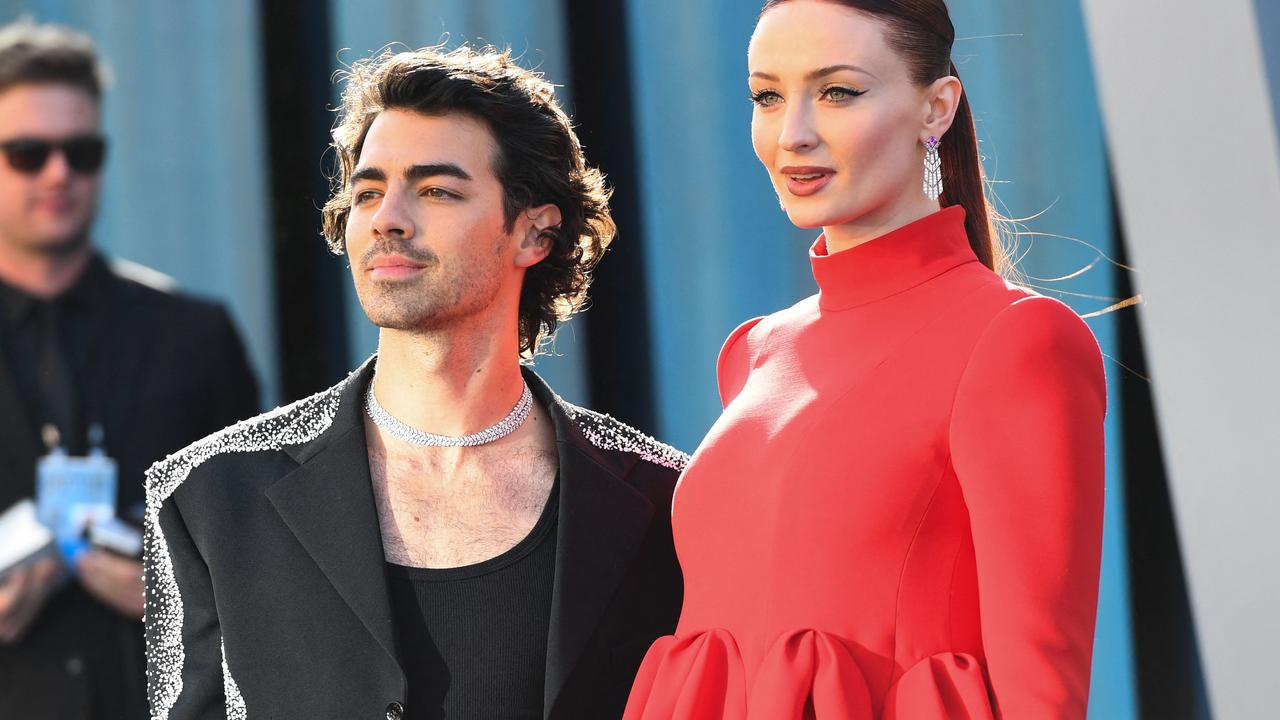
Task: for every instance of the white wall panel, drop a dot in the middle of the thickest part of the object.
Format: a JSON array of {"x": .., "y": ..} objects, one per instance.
[{"x": 1193, "y": 142}]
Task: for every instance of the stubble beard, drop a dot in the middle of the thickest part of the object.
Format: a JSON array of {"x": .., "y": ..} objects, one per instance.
[
  {"x": 62, "y": 246},
  {"x": 434, "y": 300},
  {"x": 53, "y": 247}
]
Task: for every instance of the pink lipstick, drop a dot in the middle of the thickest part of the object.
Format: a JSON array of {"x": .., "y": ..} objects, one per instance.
[{"x": 805, "y": 180}]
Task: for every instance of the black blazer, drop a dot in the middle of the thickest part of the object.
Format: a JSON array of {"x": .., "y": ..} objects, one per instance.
[
  {"x": 167, "y": 369},
  {"x": 266, "y": 589}
]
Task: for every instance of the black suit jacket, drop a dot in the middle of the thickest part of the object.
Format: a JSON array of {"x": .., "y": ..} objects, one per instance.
[
  {"x": 267, "y": 595},
  {"x": 167, "y": 369}
]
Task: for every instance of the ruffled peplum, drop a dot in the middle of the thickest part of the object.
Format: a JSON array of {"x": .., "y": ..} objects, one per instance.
[{"x": 806, "y": 675}]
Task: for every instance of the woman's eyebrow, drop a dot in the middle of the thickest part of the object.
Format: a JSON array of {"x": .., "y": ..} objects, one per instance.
[
  {"x": 824, "y": 71},
  {"x": 815, "y": 74}
]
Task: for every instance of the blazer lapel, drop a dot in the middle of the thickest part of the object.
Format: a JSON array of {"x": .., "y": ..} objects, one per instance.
[
  {"x": 328, "y": 504},
  {"x": 602, "y": 523}
]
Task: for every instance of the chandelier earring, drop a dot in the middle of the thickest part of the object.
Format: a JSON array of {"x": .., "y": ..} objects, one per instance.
[{"x": 932, "y": 168}]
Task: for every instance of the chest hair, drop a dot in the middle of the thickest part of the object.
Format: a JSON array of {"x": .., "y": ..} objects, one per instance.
[{"x": 449, "y": 507}]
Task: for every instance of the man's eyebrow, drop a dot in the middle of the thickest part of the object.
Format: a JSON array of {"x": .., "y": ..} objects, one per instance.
[
  {"x": 420, "y": 172},
  {"x": 367, "y": 173},
  {"x": 815, "y": 74},
  {"x": 413, "y": 172}
]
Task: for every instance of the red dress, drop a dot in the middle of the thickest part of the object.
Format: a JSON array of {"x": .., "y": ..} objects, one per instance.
[{"x": 899, "y": 513}]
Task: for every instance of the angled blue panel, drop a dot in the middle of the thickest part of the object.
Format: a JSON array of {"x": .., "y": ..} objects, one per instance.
[{"x": 1268, "y": 12}]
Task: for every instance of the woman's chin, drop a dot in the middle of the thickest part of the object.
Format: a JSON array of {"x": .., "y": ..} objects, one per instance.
[{"x": 806, "y": 219}]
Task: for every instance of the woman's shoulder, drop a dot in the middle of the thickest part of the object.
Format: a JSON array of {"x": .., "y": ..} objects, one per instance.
[
  {"x": 999, "y": 304},
  {"x": 1026, "y": 338},
  {"x": 750, "y": 335},
  {"x": 1018, "y": 313},
  {"x": 747, "y": 337},
  {"x": 739, "y": 335},
  {"x": 737, "y": 356}
]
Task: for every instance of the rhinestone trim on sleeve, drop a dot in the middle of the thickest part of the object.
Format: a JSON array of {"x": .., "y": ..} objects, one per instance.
[
  {"x": 608, "y": 433},
  {"x": 290, "y": 425},
  {"x": 235, "y": 701}
]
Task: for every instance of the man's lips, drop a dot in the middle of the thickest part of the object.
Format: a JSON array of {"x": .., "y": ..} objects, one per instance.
[
  {"x": 804, "y": 180},
  {"x": 55, "y": 204},
  {"x": 387, "y": 267}
]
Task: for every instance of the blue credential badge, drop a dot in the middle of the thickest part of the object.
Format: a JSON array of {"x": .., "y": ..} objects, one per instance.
[{"x": 73, "y": 494}]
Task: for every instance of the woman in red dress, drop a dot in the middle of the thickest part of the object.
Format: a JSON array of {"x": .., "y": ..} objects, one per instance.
[{"x": 899, "y": 513}]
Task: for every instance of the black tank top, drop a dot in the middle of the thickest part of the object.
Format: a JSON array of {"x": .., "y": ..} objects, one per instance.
[{"x": 473, "y": 640}]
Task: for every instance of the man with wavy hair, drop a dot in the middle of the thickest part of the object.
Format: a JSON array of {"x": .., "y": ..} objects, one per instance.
[{"x": 439, "y": 534}]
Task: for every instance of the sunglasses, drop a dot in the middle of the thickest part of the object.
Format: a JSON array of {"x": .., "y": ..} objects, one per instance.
[{"x": 84, "y": 154}]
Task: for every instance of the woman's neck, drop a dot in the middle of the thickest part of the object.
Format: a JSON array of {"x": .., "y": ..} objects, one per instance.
[{"x": 872, "y": 225}]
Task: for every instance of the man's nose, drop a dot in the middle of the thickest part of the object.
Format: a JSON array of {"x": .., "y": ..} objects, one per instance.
[
  {"x": 392, "y": 217},
  {"x": 56, "y": 169}
]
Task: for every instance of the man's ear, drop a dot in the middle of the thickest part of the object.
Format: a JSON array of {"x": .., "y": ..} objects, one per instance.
[{"x": 535, "y": 242}]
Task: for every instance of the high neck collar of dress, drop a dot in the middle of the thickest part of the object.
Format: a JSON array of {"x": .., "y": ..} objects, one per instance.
[{"x": 894, "y": 262}]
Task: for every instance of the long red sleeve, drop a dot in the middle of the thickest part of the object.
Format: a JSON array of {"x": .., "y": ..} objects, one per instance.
[{"x": 1027, "y": 447}]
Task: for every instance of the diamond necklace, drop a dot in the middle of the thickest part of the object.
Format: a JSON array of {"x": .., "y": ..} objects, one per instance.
[{"x": 501, "y": 429}]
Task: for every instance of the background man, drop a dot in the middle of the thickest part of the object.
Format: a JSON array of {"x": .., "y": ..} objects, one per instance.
[
  {"x": 84, "y": 343},
  {"x": 439, "y": 533}
]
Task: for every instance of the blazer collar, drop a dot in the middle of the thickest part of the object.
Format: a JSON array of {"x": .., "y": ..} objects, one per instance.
[{"x": 328, "y": 504}]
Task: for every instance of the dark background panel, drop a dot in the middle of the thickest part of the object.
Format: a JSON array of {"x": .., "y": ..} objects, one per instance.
[
  {"x": 621, "y": 377},
  {"x": 310, "y": 281}
]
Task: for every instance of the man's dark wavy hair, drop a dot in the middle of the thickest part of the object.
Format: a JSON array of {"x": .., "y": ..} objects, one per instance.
[{"x": 538, "y": 161}]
